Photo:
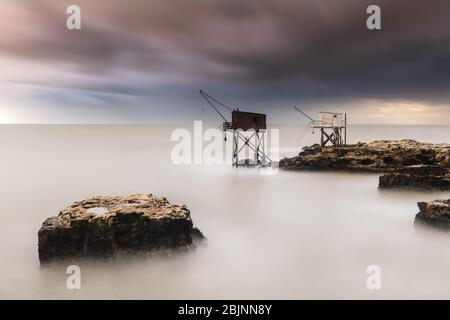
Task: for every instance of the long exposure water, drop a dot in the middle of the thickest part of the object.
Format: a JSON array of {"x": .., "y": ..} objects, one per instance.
[{"x": 289, "y": 235}]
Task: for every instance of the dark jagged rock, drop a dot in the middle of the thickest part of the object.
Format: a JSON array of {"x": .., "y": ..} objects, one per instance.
[
  {"x": 405, "y": 163},
  {"x": 106, "y": 227},
  {"x": 435, "y": 213},
  {"x": 396, "y": 180}
]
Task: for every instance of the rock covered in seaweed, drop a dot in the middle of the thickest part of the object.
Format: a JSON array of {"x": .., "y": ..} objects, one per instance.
[
  {"x": 105, "y": 227},
  {"x": 434, "y": 213}
]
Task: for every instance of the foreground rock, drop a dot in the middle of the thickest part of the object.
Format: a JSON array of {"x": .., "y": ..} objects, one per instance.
[
  {"x": 435, "y": 213},
  {"x": 105, "y": 227},
  {"x": 405, "y": 163}
]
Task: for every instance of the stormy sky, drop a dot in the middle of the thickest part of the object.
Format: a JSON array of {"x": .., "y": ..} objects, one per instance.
[{"x": 145, "y": 60}]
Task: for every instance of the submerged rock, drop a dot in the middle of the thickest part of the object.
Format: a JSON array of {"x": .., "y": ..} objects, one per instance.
[
  {"x": 105, "y": 227},
  {"x": 405, "y": 163},
  {"x": 435, "y": 213}
]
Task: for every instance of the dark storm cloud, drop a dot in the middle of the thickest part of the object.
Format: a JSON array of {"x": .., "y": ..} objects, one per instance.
[{"x": 280, "y": 50}]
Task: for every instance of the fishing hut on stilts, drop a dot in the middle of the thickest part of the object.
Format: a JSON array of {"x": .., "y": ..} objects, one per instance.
[
  {"x": 247, "y": 129},
  {"x": 332, "y": 126}
]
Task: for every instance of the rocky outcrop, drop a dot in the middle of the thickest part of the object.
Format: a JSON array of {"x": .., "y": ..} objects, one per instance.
[
  {"x": 435, "y": 213},
  {"x": 108, "y": 227},
  {"x": 404, "y": 163},
  {"x": 405, "y": 180}
]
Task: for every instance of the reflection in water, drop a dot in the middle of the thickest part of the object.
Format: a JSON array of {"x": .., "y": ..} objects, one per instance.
[{"x": 289, "y": 235}]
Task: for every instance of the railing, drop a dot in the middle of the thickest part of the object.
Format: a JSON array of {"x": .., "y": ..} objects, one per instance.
[{"x": 326, "y": 124}]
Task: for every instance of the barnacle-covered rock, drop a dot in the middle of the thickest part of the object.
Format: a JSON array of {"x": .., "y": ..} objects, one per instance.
[
  {"x": 434, "y": 213},
  {"x": 105, "y": 227}
]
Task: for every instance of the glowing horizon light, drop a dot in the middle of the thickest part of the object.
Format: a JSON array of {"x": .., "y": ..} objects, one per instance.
[
  {"x": 401, "y": 112},
  {"x": 6, "y": 117}
]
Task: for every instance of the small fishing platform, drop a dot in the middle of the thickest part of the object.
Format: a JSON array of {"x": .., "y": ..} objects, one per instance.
[
  {"x": 332, "y": 126},
  {"x": 248, "y": 131}
]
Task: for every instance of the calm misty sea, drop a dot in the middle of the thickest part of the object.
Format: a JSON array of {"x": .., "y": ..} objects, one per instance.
[{"x": 290, "y": 235}]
